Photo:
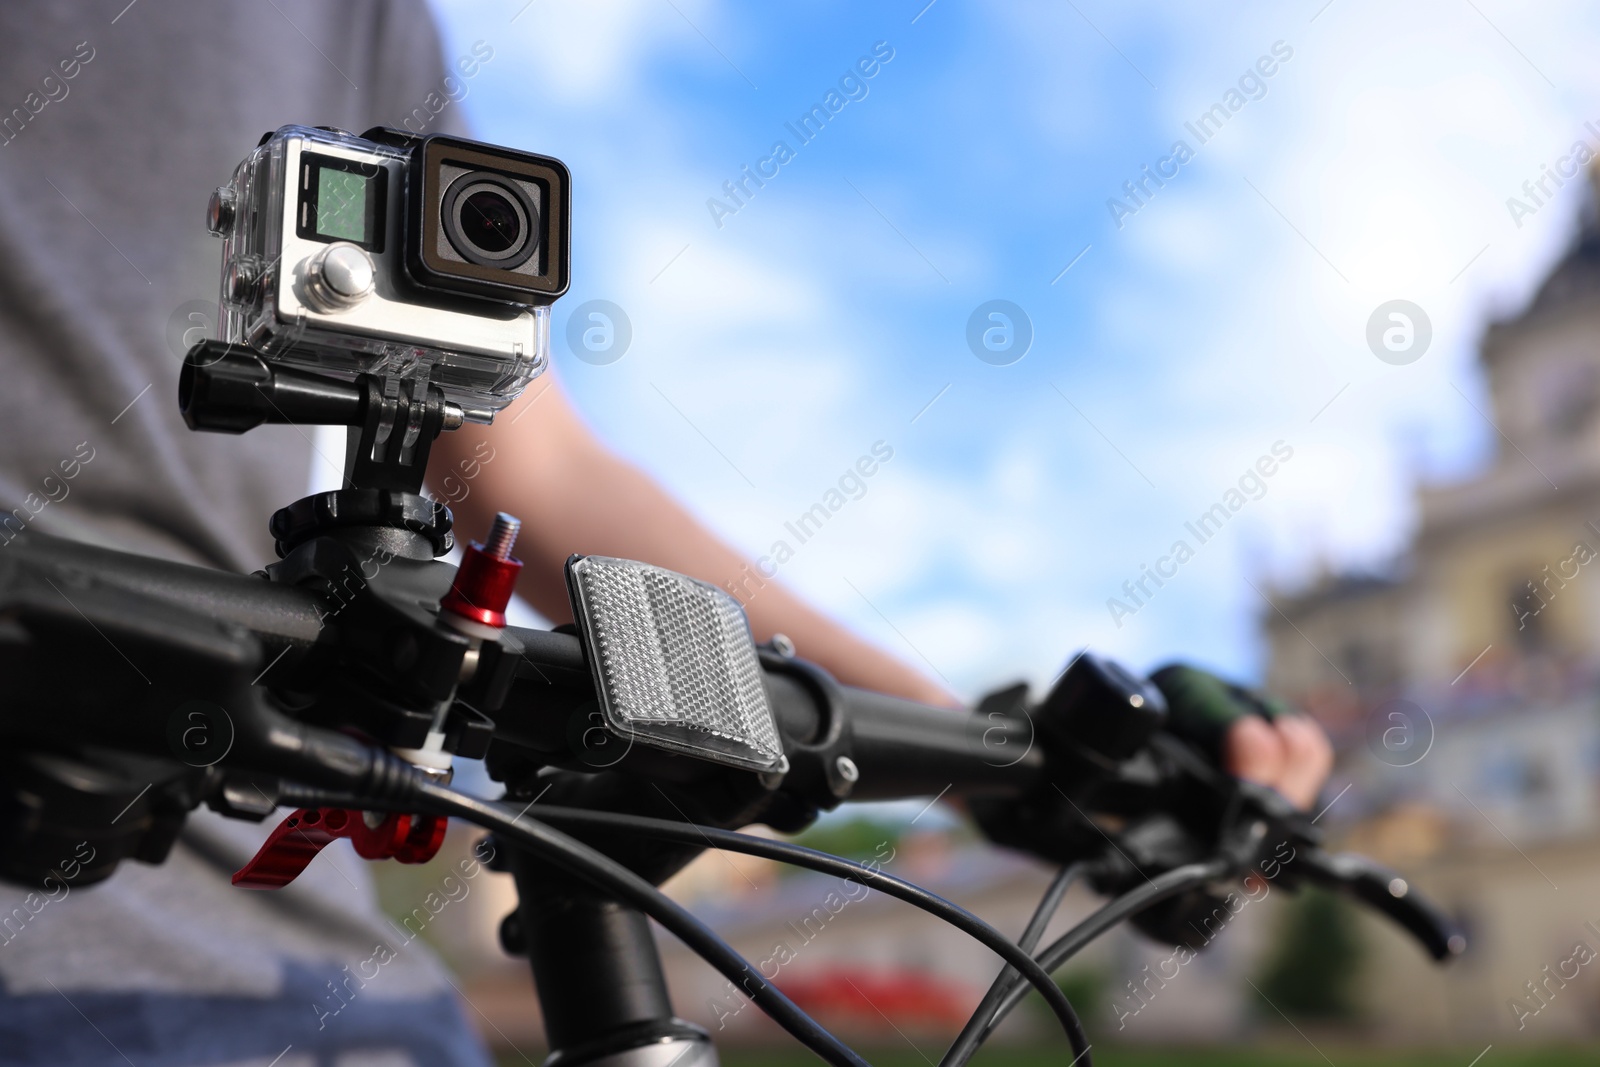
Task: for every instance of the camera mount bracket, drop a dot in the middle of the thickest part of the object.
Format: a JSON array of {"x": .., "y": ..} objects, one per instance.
[
  {"x": 225, "y": 388},
  {"x": 370, "y": 546}
]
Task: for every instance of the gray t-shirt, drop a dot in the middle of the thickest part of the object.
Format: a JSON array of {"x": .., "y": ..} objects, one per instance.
[{"x": 116, "y": 121}]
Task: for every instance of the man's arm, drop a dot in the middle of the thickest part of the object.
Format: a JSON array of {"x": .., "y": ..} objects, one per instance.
[{"x": 574, "y": 495}]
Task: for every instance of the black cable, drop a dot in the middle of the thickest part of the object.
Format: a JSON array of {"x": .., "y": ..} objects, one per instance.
[
  {"x": 972, "y": 1034},
  {"x": 580, "y": 860},
  {"x": 1161, "y": 887},
  {"x": 1016, "y": 958},
  {"x": 1048, "y": 904}
]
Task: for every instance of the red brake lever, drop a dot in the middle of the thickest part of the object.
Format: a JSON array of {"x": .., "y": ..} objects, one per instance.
[{"x": 297, "y": 840}]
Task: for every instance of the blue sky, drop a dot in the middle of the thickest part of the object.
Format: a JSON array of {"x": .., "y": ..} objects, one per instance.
[{"x": 1218, "y": 319}]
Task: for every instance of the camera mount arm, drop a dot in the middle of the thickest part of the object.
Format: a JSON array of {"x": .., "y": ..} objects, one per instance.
[
  {"x": 393, "y": 422},
  {"x": 224, "y": 388}
]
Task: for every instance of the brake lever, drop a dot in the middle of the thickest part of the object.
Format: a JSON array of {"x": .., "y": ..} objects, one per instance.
[
  {"x": 1356, "y": 876},
  {"x": 296, "y": 841},
  {"x": 1384, "y": 890}
]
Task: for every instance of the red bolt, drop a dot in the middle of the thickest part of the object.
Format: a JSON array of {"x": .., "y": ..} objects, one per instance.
[{"x": 487, "y": 576}]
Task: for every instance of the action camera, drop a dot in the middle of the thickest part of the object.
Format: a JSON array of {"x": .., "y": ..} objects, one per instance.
[{"x": 395, "y": 255}]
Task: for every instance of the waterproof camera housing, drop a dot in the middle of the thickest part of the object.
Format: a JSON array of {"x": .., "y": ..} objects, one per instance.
[{"x": 430, "y": 258}]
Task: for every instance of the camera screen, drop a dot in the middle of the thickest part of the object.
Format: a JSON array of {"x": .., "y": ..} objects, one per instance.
[
  {"x": 341, "y": 200},
  {"x": 342, "y": 205}
]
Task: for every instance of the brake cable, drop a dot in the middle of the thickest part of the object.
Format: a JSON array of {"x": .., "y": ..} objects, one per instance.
[
  {"x": 1016, "y": 957},
  {"x": 583, "y": 861},
  {"x": 971, "y": 1037},
  {"x": 1161, "y": 887}
]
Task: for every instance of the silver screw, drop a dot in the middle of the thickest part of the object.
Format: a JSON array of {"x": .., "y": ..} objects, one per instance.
[
  {"x": 502, "y": 535},
  {"x": 847, "y": 769},
  {"x": 782, "y": 645}
]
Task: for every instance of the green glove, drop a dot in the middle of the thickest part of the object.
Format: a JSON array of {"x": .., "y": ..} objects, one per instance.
[{"x": 1201, "y": 707}]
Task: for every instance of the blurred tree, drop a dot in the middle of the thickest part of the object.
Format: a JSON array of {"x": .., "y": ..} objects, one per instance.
[
  {"x": 1312, "y": 970},
  {"x": 856, "y": 838},
  {"x": 1086, "y": 988}
]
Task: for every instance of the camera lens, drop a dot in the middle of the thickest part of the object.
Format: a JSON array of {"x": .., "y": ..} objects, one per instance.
[{"x": 490, "y": 220}]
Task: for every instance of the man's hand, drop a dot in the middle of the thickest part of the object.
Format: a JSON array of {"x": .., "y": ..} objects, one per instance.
[{"x": 1250, "y": 735}]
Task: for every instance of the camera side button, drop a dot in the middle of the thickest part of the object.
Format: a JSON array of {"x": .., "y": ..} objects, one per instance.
[
  {"x": 220, "y": 211},
  {"x": 239, "y": 282},
  {"x": 339, "y": 276}
]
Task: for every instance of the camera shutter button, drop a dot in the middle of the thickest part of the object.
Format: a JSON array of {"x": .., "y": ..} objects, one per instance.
[{"x": 339, "y": 276}]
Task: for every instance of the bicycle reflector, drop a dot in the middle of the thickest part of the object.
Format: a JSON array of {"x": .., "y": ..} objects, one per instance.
[{"x": 674, "y": 662}]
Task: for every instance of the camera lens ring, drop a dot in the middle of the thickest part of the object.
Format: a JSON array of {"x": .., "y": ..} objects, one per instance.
[{"x": 497, "y": 204}]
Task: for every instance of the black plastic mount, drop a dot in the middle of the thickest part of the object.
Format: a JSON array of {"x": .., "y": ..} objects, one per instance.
[
  {"x": 390, "y": 509},
  {"x": 226, "y": 388}
]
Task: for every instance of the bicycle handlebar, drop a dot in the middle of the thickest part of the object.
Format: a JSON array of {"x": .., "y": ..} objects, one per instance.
[{"x": 1049, "y": 768}]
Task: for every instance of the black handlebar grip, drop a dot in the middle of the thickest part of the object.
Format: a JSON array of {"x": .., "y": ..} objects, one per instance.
[{"x": 1384, "y": 890}]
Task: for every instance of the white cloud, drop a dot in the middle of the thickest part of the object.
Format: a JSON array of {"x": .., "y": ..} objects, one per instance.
[
  {"x": 578, "y": 52},
  {"x": 800, "y": 333}
]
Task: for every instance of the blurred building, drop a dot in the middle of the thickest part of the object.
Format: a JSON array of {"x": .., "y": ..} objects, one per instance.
[
  {"x": 1462, "y": 687},
  {"x": 1463, "y": 690}
]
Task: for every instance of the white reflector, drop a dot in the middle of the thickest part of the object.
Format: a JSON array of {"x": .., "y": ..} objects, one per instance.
[{"x": 674, "y": 662}]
